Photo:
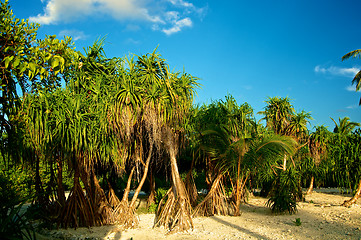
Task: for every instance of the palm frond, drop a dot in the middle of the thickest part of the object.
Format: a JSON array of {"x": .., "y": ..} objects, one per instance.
[{"x": 354, "y": 53}]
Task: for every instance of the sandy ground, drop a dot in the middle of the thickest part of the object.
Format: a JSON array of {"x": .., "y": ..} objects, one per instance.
[{"x": 321, "y": 217}]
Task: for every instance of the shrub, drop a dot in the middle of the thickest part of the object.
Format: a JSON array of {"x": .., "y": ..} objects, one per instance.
[
  {"x": 284, "y": 192},
  {"x": 13, "y": 223}
]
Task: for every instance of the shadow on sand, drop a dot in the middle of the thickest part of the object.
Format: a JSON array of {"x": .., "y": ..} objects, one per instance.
[{"x": 241, "y": 229}]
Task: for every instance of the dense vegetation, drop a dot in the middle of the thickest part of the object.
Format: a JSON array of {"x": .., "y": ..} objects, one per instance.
[{"x": 99, "y": 127}]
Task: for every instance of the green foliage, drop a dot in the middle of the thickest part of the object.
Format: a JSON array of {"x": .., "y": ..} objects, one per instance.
[
  {"x": 160, "y": 193},
  {"x": 357, "y": 79},
  {"x": 13, "y": 223},
  {"x": 284, "y": 192},
  {"x": 152, "y": 208},
  {"x": 344, "y": 162},
  {"x": 20, "y": 178},
  {"x": 298, "y": 222}
]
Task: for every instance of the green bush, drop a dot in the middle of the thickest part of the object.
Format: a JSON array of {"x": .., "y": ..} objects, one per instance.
[
  {"x": 152, "y": 208},
  {"x": 13, "y": 223},
  {"x": 161, "y": 192},
  {"x": 284, "y": 192}
]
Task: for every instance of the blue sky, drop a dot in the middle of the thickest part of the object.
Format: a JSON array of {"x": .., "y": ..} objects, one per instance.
[{"x": 250, "y": 49}]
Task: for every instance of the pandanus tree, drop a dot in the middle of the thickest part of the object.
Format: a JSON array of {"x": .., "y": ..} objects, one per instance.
[
  {"x": 34, "y": 123},
  {"x": 278, "y": 114},
  {"x": 344, "y": 126},
  {"x": 83, "y": 140},
  {"x": 345, "y": 149},
  {"x": 348, "y": 165},
  {"x": 63, "y": 127},
  {"x": 235, "y": 149},
  {"x": 178, "y": 89},
  {"x": 143, "y": 117},
  {"x": 318, "y": 150},
  {"x": 281, "y": 119}
]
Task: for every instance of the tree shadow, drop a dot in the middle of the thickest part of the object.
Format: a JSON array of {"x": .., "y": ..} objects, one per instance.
[{"x": 241, "y": 229}]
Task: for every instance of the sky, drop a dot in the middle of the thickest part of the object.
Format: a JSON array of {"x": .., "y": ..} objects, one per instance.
[{"x": 252, "y": 50}]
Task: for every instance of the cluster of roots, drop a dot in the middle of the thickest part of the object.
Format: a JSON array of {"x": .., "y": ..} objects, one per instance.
[{"x": 174, "y": 213}]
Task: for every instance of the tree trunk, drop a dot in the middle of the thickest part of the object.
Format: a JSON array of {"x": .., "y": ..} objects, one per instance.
[
  {"x": 145, "y": 173},
  {"x": 125, "y": 214},
  {"x": 238, "y": 188},
  {"x": 175, "y": 213},
  {"x": 152, "y": 193},
  {"x": 40, "y": 194},
  {"x": 60, "y": 188},
  {"x": 191, "y": 186},
  {"x": 239, "y": 193},
  {"x": 215, "y": 202},
  {"x": 310, "y": 188},
  {"x": 77, "y": 211},
  {"x": 127, "y": 188},
  {"x": 351, "y": 201},
  {"x": 181, "y": 212},
  {"x": 101, "y": 207}
]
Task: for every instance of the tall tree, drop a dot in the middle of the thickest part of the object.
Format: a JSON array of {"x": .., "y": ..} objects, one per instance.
[
  {"x": 278, "y": 114},
  {"x": 344, "y": 126},
  {"x": 28, "y": 64},
  {"x": 230, "y": 140},
  {"x": 318, "y": 151},
  {"x": 345, "y": 151}
]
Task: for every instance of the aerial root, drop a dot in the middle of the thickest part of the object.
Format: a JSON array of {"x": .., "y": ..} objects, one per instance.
[{"x": 174, "y": 213}]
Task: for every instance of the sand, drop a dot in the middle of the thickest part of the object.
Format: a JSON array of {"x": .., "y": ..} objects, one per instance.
[{"x": 321, "y": 217}]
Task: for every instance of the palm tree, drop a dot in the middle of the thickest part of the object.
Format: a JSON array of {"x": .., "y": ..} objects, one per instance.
[
  {"x": 318, "y": 150},
  {"x": 349, "y": 164},
  {"x": 357, "y": 79},
  {"x": 344, "y": 133},
  {"x": 298, "y": 126},
  {"x": 230, "y": 140},
  {"x": 175, "y": 213},
  {"x": 345, "y": 126},
  {"x": 278, "y": 114},
  {"x": 281, "y": 118}
]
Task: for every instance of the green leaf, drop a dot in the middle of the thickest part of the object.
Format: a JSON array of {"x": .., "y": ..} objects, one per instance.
[
  {"x": 7, "y": 60},
  {"x": 42, "y": 70},
  {"x": 55, "y": 62},
  {"x": 16, "y": 62},
  {"x": 23, "y": 67},
  {"x": 32, "y": 67}
]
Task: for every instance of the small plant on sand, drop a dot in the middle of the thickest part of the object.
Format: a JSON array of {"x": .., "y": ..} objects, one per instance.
[{"x": 298, "y": 222}]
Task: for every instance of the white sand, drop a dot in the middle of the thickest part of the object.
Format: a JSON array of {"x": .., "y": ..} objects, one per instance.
[{"x": 321, "y": 217}]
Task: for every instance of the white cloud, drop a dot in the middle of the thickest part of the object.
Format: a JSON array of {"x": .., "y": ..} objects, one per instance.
[
  {"x": 178, "y": 25},
  {"x": 167, "y": 16},
  {"x": 63, "y": 10},
  {"x": 352, "y": 106},
  {"x": 126, "y": 9},
  {"x": 182, "y": 3},
  {"x": 337, "y": 71},
  {"x": 352, "y": 88},
  {"x": 69, "y": 10},
  {"x": 75, "y": 34}
]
